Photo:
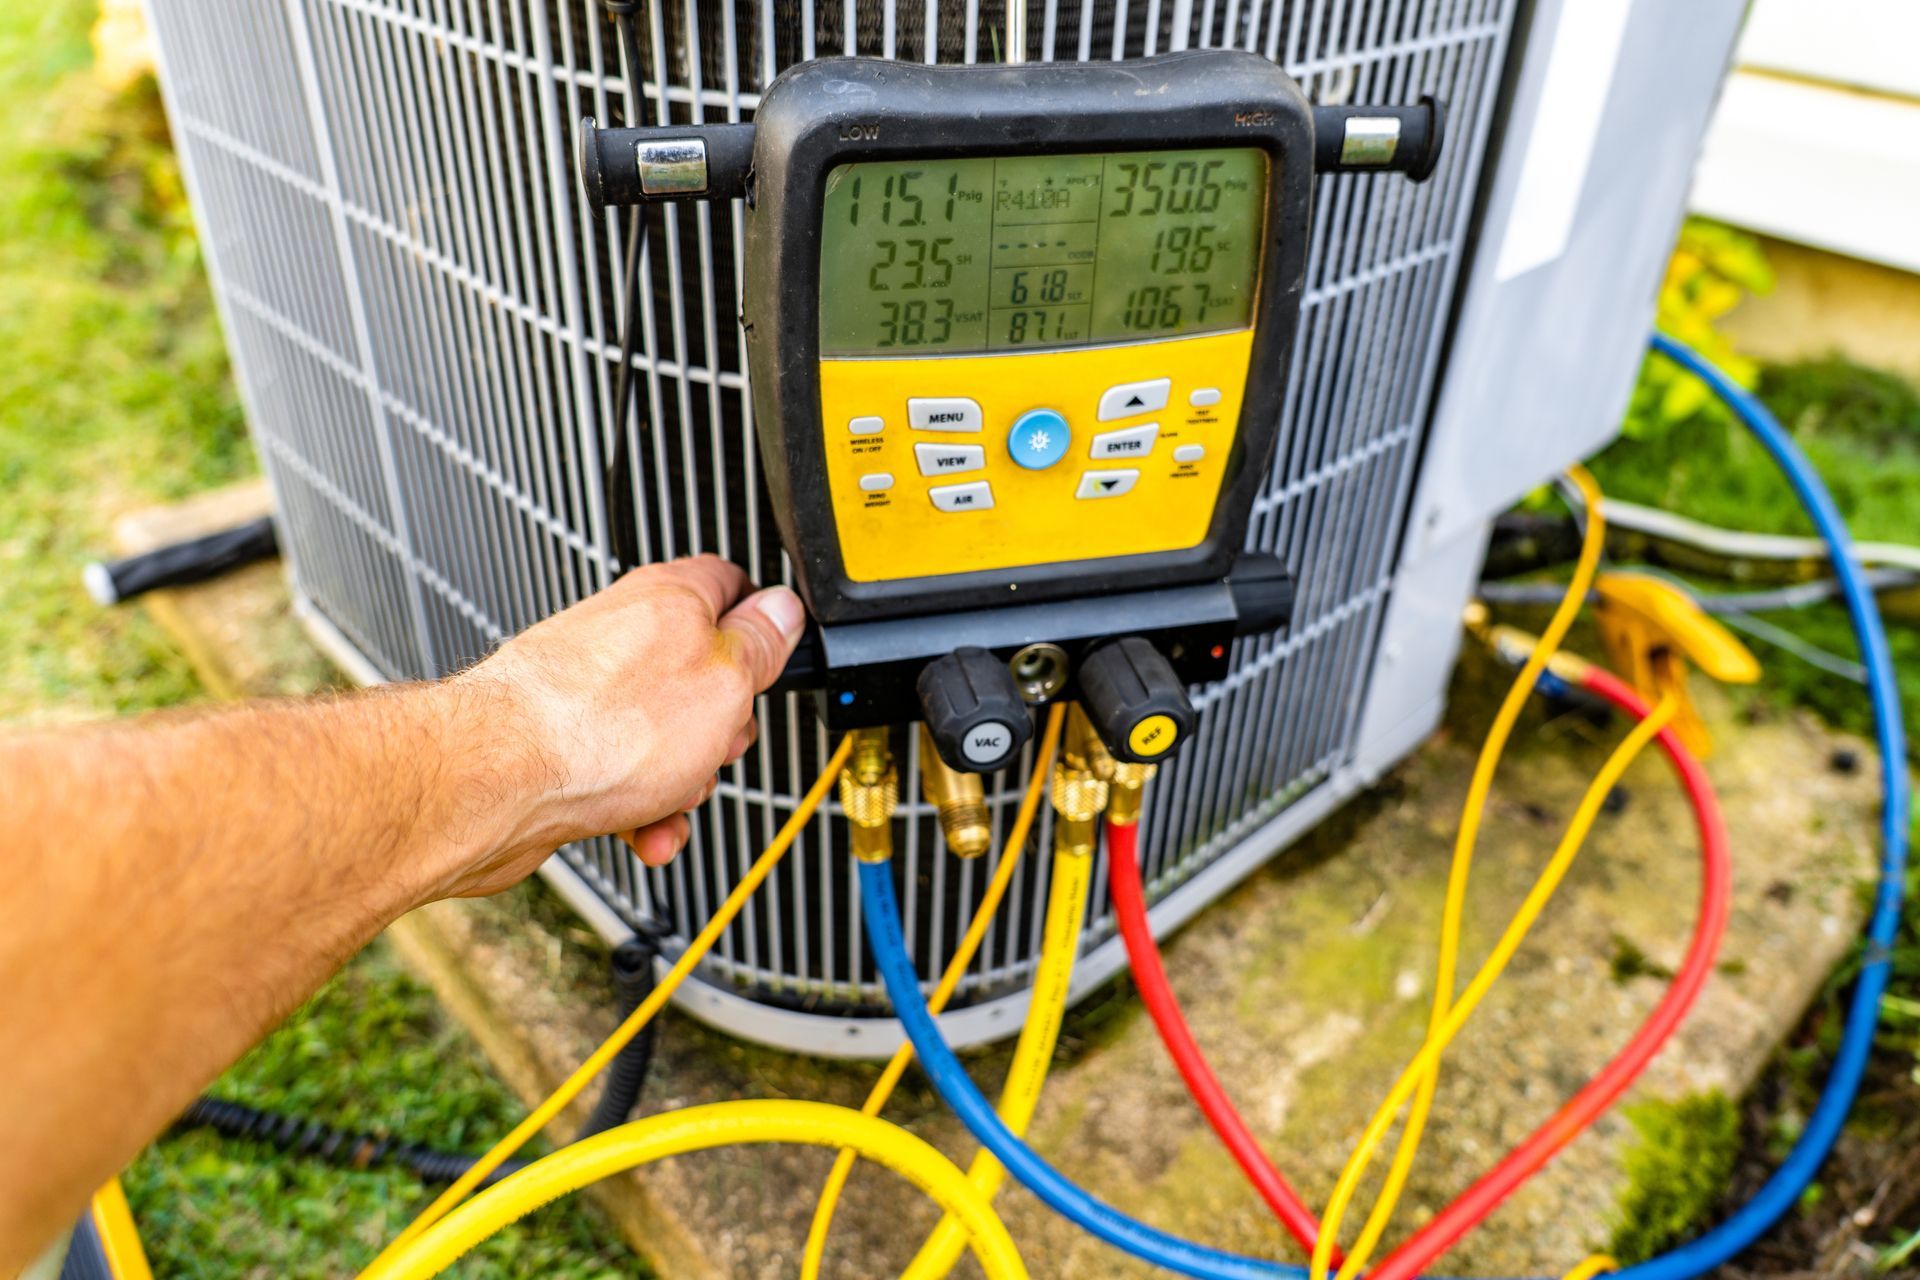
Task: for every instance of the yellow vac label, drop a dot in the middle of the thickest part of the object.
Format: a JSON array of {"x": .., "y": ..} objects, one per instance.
[{"x": 968, "y": 463}]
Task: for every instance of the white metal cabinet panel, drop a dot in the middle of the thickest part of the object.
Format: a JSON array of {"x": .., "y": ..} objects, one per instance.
[{"x": 1542, "y": 362}]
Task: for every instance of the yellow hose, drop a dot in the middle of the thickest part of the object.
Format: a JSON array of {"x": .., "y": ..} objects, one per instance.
[
  {"x": 1451, "y": 914},
  {"x": 696, "y": 950},
  {"x": 1591, "y": 1266},
  {"x": 1496, "y": 963},
  {"x": 963, "y": 954},
  {"x": 1060, "y": 944},
  {"x": 697, "y": 1129}
]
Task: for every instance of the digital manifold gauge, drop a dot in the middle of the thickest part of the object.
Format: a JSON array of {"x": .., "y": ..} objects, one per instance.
[{"x": 1017, "y": 338}]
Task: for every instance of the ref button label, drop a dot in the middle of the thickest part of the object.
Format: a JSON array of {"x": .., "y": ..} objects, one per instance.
[{"x": 1153, "y": 736}]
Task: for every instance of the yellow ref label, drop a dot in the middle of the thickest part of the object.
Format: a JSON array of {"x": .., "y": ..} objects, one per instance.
[
  {"x": 1135, "y": 492},
  {"x": 1153, "y": 736}
]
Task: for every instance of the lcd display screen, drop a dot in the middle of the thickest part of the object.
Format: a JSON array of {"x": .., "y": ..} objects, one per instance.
[{"x": 957, "y": 257}]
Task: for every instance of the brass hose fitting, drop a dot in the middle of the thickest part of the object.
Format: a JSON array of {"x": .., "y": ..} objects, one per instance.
[
  {"x": 960, "y": 799},
  {"x": 1081, "y": 748},
  {"x": 869, "y": 792},
  {"x": 1129, "y": 783},
  {"x": 1513, "y": 646},
  {"x": 1080, "y": 793}
]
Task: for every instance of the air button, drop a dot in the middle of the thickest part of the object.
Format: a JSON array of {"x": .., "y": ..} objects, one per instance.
[{"x": 977, "y": 496}]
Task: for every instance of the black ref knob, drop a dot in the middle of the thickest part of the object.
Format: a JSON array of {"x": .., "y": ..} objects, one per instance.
[
  {"x": 1135, "y": 701},
  {"x": 973, "y": 709}
]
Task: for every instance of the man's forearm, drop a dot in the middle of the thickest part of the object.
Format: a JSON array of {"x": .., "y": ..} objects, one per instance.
[
  {"x": 179, "y": 885},
  {"x": 176, "y": 885}
]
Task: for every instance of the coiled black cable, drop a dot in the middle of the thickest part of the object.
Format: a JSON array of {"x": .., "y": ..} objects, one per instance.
[
  {"x": 633, "y": 980},
  {"x": 302, "y": 1136}
]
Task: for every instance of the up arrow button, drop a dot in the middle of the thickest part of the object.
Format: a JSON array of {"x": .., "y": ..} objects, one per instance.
[{"x": 1130, "y": 398}]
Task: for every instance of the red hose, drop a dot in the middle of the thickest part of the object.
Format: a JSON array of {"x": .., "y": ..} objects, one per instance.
[
  {"x": 1524, "y": 1161},
  {"x": 1130, "y": 910}
]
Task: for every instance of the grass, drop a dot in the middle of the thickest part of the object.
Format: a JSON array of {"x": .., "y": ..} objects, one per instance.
[
  {"x": 115, "y": 388},
  {"x": 1677, "y": 1169},
  {"x": 115, "y": 393},
  {"x": 1861, "y": 428},
  {"x": 209, "y": 1206}
]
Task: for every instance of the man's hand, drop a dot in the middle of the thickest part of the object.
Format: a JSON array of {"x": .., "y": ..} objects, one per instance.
[
  {"x": 624, "y": 707},
  {"x": 199, "y": 874}
]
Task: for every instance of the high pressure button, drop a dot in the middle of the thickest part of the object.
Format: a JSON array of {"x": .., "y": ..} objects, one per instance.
[
  {"x": 1040, "y": 438},
  {"x": 1135, "y": 701},
  {"x": 973, "y": 710}
]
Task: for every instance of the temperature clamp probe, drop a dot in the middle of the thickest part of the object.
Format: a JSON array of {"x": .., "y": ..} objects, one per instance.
[{"x": 1017, "y": 338}]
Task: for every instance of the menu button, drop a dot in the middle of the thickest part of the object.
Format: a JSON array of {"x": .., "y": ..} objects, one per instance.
[{"x": 943, "y": 413}]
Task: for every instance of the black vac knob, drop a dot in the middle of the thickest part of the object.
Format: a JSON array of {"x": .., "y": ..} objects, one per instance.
[
  {"x": 1135, "y": 701},
  {"x": 973, "y": 710}
]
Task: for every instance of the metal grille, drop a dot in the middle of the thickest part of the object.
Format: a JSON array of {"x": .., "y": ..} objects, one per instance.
[{"x": 423, "y": 315}]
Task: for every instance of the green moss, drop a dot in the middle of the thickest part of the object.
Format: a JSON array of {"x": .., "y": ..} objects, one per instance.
[
  {"x": 1677, "y": 1170},
  {"x": 1630, "y": 961}
]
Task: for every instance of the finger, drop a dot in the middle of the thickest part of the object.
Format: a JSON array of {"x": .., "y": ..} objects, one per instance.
[
  {"x": 718, "y": 583},
  {"x": 743, "y": 741},
  {"x": 658, "y": 842},
  {"x": 762, "y": 631}
]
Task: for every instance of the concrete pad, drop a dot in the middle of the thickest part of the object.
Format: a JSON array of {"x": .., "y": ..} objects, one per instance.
[{"x": 1308, "y": 986}]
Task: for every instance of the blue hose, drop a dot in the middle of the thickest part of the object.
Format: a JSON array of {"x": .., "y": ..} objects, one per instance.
[
  {"x": 1798, "y": 1170},
  {"x": 1746, "y": 1225},
  {"x": 882, "y": 915}
]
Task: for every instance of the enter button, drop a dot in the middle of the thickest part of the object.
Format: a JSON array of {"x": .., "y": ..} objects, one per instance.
[{"x": 1132, "y": 442}]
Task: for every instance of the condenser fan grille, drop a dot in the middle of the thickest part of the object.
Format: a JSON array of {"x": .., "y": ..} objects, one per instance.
[{"x": 424, "y": 317}]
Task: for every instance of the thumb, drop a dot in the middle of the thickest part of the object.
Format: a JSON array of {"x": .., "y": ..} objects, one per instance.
[{"x": 762, "y": 631}]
